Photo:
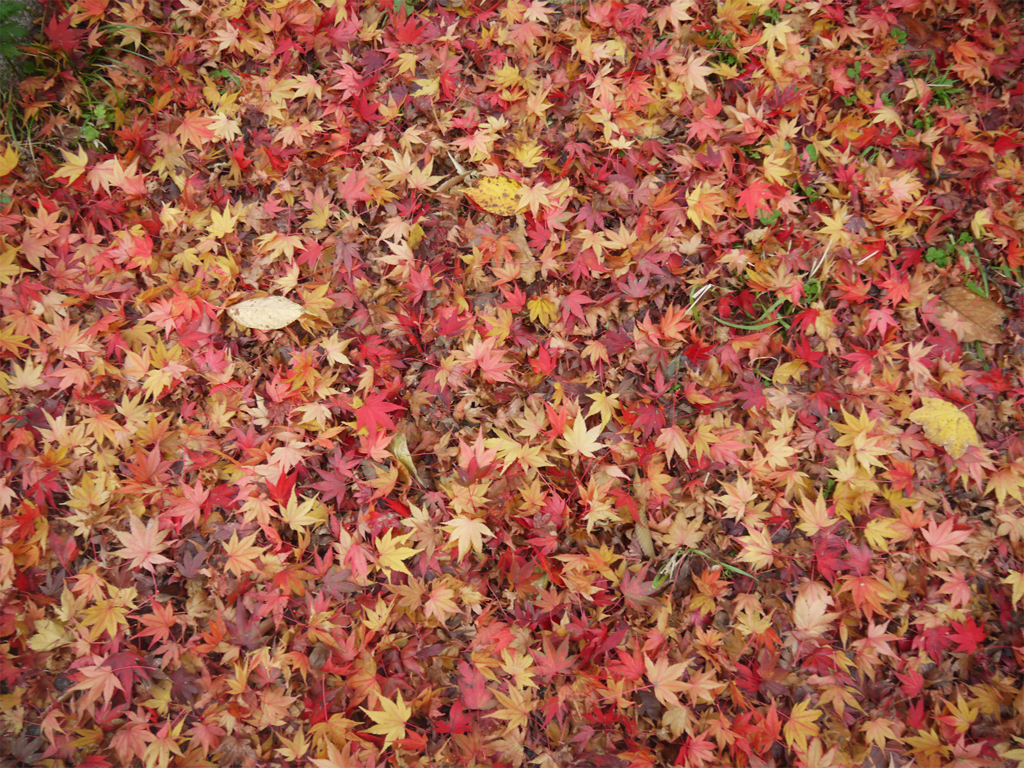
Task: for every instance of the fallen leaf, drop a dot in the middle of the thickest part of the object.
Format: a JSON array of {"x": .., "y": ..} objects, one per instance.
[
  {"x": 266, "y": 314},
  {"x": 946, "y": 426},
  {"x": 399, "y": 447},
  {"x": 984, "y": 317},
  {"x": 499, "y": 195},
  {"x": 390, "y": 719}
]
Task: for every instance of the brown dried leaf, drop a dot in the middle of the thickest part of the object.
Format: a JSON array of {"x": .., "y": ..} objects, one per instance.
[{"x": 984, "y": 317}]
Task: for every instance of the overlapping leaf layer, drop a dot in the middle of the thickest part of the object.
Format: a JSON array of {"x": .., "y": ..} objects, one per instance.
[{"x": 656, "y": 400}]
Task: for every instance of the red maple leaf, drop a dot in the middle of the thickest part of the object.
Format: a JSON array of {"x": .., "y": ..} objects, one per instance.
[
  {"x": 967, "y": 636},
  {"x": 753, "y": 197},
  {"x": 373, "y": 413},
  {"x": 572, "y": 305},
  {"x": 637, "y": 591},
  {"x": 475, "y": 694},
  {"x": 552, "y": 661},
  {"x": 353, "y": 189},
  {"x": 59, "y": 32}
]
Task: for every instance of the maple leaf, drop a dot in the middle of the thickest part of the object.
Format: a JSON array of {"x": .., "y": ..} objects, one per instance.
[
  {"x": 468, "y": 533},
  {"x": 1015, "y": 580},
  {"x": 390, "y": 719},
  {"x": 580, "y": 441},
  {"x": 482, "y": 354},
  {"x": 801, "y": 725},
  {"x": 758, "y": 549},
  {"x": 753, "y": 197},
  {"x": 59, "y": 32},
  {"x": 473, "y": 685},
  {"x": 98, "y": 680},
  {"x": 9, "y": 159},
  {"x": 222, "y": 224},
  {"x": 391, "y": 554},
  {"x": 353, "y": 189},
  {"x": 692, "y": 74},
  {"x": 637, "y": 591},
  {"x": 664, "y": 679},
  {"x": 241, "y": 554},
  {"x": 516, "y": 708},
  {"x": 373, "y": 413},
  {"x": 195, "y": 129},
  {"x": 552, "y": 661},
  {"x": 704, "y": 204},
  {"x": 143, "y": 544},
  {"x": 697, "y": 751},
  {"x": 159, "y": 623},
  {"x": 878, "y": 730},
  {"x": 967, "y": 636},
  {"x": 943, "y": 540},
  {"x": 75, "y": 165},
  {"x": 811, "y": 618},
  {"x": 440, "y": 604},
  {"x": 301, "y": 516},
  {"x": 162, "y": 745}
]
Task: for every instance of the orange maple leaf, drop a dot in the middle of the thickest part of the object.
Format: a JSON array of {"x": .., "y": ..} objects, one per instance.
[{"x": 664, "y": 679}]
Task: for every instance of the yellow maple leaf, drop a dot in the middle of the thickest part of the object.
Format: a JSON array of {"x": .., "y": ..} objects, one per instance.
[
  {"x": 9, "y": 159},
  {"x": 391, "y": 554},
  {"x": 49, "y": 636},
  {"x": 301, "y": 516},
  {"x": 757, "y": 548},
  {"x": 109, "y": 614},
  {"x": 704, "y": 203},
  {"x": 516, "y": 708},
  {"x": 241, "y": 554},
  {"x": 605, "y": 405},
  {"x": 1016, "y": 580},
  {"x": 468, "y": 533},
  {"x": 946, "y": 426},
  {"x": 580, "y": 441},
  {"x": 390, "y": 719},
  {"x": 801, "y": 724},
  {"x": 879, "y": 730},
  {"x": 223, "y": 224},
  {"x": 542, "y": 310},
  {"x": 75, "y": 165}
]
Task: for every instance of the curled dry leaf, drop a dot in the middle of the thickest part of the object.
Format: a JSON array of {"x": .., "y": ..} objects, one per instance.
[
  {"x": 984, "y": 318},
  {"x": 499, "y": 195},
  {"x": 399, "y": 447},
  {"x": 946, "y": 426},
  {"x": 266, "y": 314}
]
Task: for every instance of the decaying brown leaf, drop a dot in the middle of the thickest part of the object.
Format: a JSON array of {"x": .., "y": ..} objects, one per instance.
[
  {"x": 946, "y": 426},
  {"x": 984, "y": 317}
]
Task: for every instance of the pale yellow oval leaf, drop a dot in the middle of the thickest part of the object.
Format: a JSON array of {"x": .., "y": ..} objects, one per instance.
[
  {"x": 266, "y": 314},
  {"x": 499, "y": 195},
  {"x": 946, "y": 425}
]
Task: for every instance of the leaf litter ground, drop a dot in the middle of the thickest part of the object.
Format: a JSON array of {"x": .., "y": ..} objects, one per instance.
[{"x": 649, "y": 391}]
